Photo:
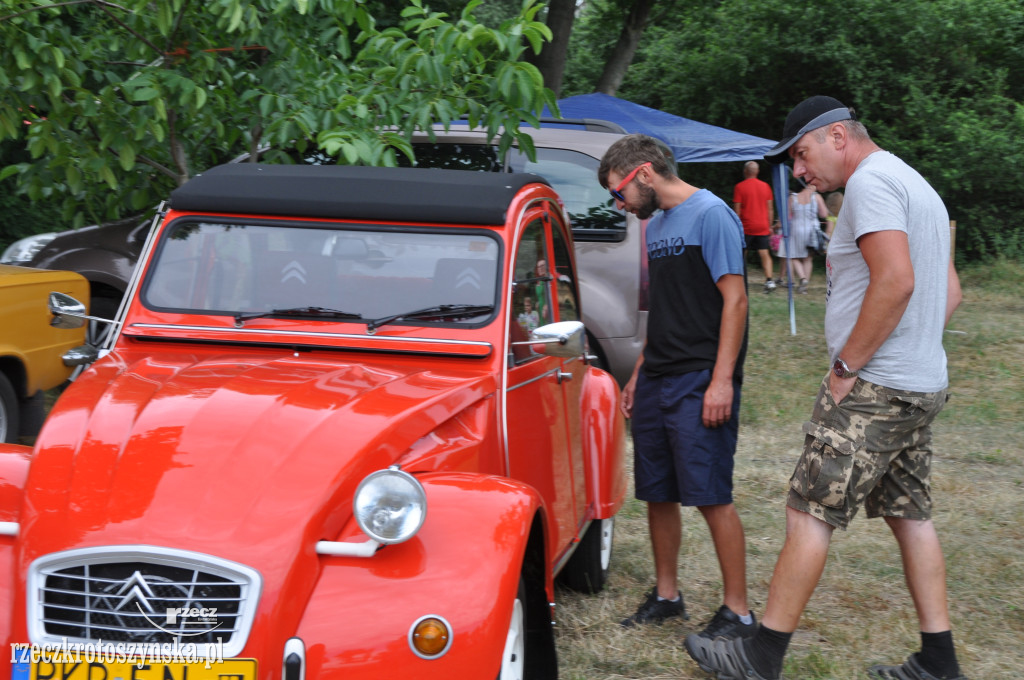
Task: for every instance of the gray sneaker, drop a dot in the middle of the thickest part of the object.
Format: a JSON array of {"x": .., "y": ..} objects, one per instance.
[
  {"x": 727, "y": 624},
  {"x": 769, "y": 286},
  {"x": 911, "y": 670},
  {"x": 654, "y": 610},
  {"x": 724, "y": 658}
]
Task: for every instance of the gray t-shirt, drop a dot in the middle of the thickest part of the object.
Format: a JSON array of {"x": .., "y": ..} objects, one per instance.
[{"x": 885, "y": 193}]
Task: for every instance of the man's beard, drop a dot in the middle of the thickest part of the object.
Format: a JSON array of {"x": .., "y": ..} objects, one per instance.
[{"x": 649, "y": 203}]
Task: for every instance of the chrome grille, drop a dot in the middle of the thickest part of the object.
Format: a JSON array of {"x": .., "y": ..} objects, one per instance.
[{"x": 149, "y": 596}]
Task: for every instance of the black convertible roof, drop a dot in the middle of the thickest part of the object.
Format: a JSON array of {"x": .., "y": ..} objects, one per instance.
[{"x": 353, "y": 192}]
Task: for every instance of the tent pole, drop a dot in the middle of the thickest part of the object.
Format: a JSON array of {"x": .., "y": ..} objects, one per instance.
[{"x": 780, "y": 182}]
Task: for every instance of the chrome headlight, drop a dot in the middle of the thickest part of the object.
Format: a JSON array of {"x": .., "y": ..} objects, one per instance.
[{"x": 390, "y": 506}]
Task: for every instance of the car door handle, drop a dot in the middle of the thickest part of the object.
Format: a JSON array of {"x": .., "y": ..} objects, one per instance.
[{"x": 563, "y": 375}]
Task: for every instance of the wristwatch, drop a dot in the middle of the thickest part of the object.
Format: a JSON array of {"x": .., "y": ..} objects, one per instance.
[{"x": 842, "y": 370}]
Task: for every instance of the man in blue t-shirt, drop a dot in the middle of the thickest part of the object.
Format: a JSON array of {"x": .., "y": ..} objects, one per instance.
[{"x": 684, "y": 394}]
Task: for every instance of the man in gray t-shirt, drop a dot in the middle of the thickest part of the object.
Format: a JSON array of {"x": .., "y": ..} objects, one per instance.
[
  {"x": 891, "y": 290},
  {"x": 883, "y": 194}
]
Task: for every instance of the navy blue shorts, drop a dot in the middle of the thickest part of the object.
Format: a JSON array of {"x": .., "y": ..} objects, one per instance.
[{"x": 677, "y": 459}]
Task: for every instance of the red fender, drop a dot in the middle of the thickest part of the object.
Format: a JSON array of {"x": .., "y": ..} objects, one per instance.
[
  {"x": 463, "y": 565},
  {"x": 604, "y": 429}
]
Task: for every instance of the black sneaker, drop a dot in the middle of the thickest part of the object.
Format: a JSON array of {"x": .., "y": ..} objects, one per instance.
[
  {"x": 727, "y": 624},
  {"x": 724, "y": 658},
  {"x": 654, "y": 610},
  {"x": 911, "y": 670}
]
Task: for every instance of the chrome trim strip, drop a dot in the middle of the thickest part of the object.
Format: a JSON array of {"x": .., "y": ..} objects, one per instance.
[
  {"x": 312, "y": 334},
  {"x": 133, "y": 281},
  {"x": 121, "y": 629},
  {"x": 249, "y": 579},
  {"x": 342, "y": 549},
  {"x": 533, "y": 380},
  {"x": 517, "y": 235},
  {"x": 9, "y": 528}
]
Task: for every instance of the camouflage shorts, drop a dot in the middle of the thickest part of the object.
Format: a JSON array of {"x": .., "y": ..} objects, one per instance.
[{"x": 872, "y": 448}]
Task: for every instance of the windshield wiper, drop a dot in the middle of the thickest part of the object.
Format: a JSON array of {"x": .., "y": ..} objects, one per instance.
[
  {"x": 439, "y": 311},
  {"x": 325, "y": 312}
]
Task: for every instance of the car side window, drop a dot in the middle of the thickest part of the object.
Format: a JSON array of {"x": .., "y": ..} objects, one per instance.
[
  {"x": 564, "y": 279},
  {"x": 531, "y": 289},
  {"x": 574, "y": 177}
]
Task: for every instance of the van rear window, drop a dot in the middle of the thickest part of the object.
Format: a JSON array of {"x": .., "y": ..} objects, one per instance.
[{"x": 571, "y": 173}]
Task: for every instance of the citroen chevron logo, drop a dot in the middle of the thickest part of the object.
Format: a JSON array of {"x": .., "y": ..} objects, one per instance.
[
  {"x": 136, "y": 588},
  {"x": 293, "y": 270},
  {"x": 468, "y": 277}
]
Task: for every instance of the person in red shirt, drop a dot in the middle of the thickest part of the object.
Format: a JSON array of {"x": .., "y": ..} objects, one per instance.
[{"x": 752, "y": 200}]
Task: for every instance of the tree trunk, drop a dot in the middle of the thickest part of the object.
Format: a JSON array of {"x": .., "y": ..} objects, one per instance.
[
  {"x": 622, "y": 54},
  {"x": 177, "y": 148},
  {"x": 551, "y": 60}
]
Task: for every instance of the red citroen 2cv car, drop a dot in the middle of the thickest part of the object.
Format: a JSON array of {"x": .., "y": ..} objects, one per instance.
[{"x": 346, "y": 428}]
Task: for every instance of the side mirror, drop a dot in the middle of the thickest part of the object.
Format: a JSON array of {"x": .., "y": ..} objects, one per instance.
[
  {"x": 565, "y": 339},
  {"x": 67, "y": 311},
  {"x": 70, "y": 313}
]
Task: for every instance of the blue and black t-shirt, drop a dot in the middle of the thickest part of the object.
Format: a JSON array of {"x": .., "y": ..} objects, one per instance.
[{"x": 689, "y": 248}]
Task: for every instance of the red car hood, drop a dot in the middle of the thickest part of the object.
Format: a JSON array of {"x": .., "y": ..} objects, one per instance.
[{"x": 251, "y": 458}]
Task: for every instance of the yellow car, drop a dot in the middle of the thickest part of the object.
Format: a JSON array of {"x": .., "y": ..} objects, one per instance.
[{"x": 31, "y": 350}]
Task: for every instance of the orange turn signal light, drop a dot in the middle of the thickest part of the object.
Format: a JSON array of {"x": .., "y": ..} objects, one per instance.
[{"x": 430, "y": 637}]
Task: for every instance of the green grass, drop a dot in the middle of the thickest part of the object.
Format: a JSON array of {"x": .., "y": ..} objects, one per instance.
[{"x": 861, "y": 613}]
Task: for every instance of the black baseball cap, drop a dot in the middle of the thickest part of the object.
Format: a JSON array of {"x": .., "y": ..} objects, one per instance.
[{"x": 810, "y": 114}]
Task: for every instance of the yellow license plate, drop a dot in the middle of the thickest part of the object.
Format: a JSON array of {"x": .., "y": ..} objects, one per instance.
[{"x": 227, "y": 669}]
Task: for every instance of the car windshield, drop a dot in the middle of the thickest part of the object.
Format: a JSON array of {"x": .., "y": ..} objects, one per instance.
[{"x": 328, "y": 273}]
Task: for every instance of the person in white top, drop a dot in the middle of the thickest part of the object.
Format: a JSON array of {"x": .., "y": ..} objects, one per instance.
[{"x": 806, "y": 210}]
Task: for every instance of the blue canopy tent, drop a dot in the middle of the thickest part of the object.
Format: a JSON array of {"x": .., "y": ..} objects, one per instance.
[{"x": 691, "y": 142}]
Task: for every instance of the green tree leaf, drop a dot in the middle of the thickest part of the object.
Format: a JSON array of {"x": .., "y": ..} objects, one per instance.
[
  {"x": 128, "y": 100},
  {"x": 126, "y": 156}
]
